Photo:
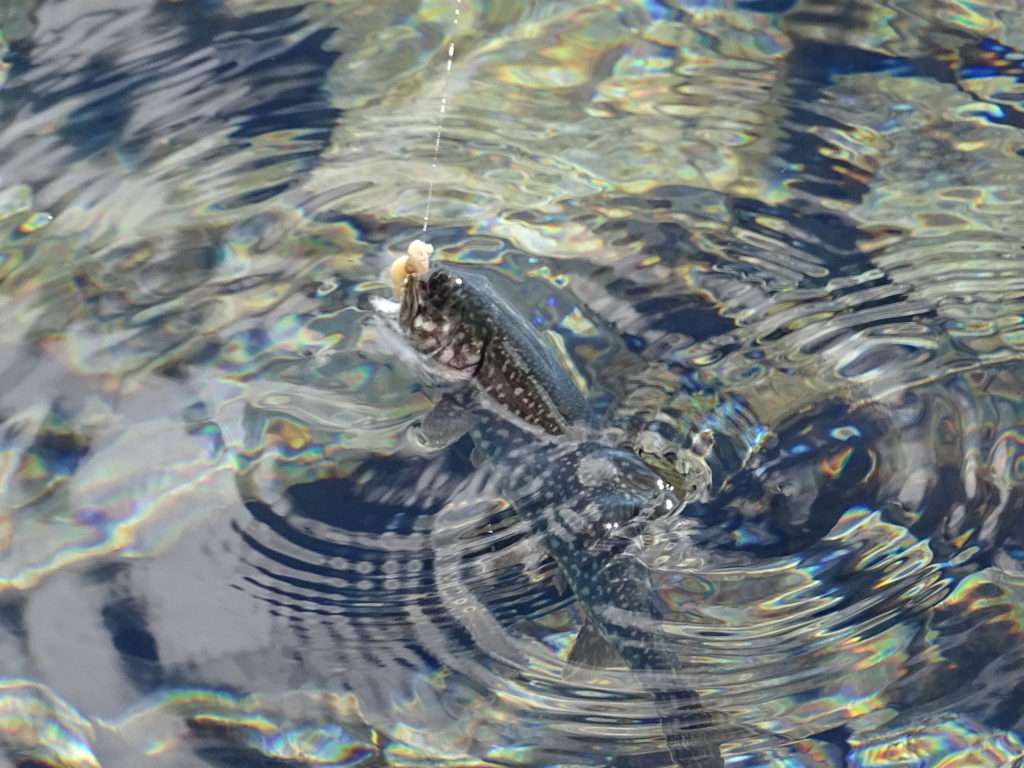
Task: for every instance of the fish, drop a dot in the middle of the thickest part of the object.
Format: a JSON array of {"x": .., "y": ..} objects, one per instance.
[{"x": 587, "y": 499}]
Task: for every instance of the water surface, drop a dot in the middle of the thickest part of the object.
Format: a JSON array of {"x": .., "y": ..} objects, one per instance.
[{"x": 796, "y": 224}]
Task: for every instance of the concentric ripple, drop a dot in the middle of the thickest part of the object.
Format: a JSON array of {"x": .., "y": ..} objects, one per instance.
[{"x": 791, "y": 226}]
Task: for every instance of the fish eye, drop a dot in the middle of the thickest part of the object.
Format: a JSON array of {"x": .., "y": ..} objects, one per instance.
[{"x": 438, "y": 279}]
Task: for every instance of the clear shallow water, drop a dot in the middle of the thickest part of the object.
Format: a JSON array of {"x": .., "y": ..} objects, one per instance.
[{"x": 796, "y": 224}]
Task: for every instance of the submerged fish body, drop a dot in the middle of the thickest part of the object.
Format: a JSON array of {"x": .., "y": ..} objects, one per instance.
[{"x": 588, "y": 500}]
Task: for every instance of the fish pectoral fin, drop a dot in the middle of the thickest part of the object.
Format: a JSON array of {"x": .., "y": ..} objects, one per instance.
[
  {"x": 559, "y": 582},
  {"x": 477, "y": 457},
  {"x": 444, "y": 424},
  {"x": 589, "y": 652}
]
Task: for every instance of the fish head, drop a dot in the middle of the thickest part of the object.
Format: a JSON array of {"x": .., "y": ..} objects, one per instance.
[{"x": 441, "y": 316}]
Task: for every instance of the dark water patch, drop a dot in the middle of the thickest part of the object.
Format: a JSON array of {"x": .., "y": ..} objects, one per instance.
[
  {"x": 824, "y": 239},
  {"x": 125, "y": 619}
]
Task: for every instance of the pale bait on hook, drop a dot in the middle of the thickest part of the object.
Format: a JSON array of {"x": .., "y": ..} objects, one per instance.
[{"x": 415, "y": 261}]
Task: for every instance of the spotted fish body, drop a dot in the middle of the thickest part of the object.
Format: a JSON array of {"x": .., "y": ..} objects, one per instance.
[
  {"x": 459, "y": 320},
  {"x": 588, "y": 500}
]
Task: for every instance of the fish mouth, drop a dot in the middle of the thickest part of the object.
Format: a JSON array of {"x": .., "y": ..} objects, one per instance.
[{"x": 412, "y": 302}]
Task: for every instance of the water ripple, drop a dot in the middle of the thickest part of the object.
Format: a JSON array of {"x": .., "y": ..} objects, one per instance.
[{"x": 789, "y": 224}]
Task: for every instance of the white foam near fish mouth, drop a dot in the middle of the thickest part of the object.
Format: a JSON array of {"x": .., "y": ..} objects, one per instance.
[{"x": 385, "y": 306}]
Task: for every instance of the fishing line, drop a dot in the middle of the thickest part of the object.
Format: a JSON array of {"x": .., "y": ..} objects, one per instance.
[{"x": 440, "y": 118}]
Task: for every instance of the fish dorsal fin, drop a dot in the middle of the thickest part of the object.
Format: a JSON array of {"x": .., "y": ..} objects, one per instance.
[{"x": 590, "y": 652}]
